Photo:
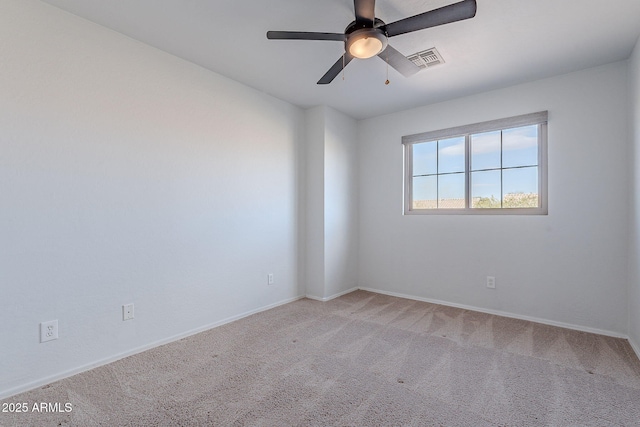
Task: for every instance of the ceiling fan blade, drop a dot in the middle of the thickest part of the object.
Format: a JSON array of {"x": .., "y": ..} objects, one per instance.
[
  {"x": 365, "y": 11},
  {"x": 399, "y": 61},
  {"x": 302, "y": 35},
  {"x": 335, "y": 69},
  {"x": 454, "y": 12}
]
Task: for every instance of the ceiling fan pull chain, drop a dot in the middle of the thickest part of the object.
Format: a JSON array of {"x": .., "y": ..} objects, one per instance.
[
  {"x": 343, "y": 65},
  {"x": 387, "y": 61}
]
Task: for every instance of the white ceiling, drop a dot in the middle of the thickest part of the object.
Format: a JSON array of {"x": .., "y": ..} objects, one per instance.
[{"x": 508, "y": 42}]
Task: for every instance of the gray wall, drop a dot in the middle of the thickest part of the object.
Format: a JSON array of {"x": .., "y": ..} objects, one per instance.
[
  {"x": 331, "y": 203},
  {"x": 634, "y": 230},
  {"x": 130, "y": 176},
  {"x": 569, "y": 267},
  {"x": 341, "y": 203},
  {"x": 314, "y": 202}
]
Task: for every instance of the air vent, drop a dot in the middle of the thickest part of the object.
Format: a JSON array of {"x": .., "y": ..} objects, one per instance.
[{"x": 427, "y": 58}]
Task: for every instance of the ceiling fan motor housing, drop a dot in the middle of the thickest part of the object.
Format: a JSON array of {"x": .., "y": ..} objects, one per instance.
[
  {"x": 368, "y": 36},
  {"x": 363, "y": 41}
]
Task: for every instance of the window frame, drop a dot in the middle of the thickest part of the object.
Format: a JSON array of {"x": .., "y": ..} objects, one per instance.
[{"x": 540, "y": 119}]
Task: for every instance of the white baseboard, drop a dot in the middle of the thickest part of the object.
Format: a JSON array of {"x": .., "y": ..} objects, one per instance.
[
  {"x": 505, "y": 314},
  {"x": 316, "y": 298},
  {"x": 43, "y": 381},
  {"x": 634, "y": 346},
  {"x": 62, "y": 375}
]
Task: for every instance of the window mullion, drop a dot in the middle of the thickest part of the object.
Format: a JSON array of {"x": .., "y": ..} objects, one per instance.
[
  {"x": 520, "y": 176},
  {"x": 408, "y": 173},
  {"x": 501, "y": 172},
  {"x": 467, "y": 171},
  {"x": 438, "y": 174}
]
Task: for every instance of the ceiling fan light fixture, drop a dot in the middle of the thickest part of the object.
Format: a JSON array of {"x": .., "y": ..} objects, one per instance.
[
  {"x": 366, "y": 43},
  {"x": 367, "y": 36}
]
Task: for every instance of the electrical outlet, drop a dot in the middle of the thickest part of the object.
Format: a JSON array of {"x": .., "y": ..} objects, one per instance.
[
  {"x": 270, "y": 279},
  {"x": 49, "y": 331},
  {"x": 127, "y": 312},
  {"x": 491, "y": 282}
]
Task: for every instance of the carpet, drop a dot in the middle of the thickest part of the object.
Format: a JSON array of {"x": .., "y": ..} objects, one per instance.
[{"x": 363, "y": 359}]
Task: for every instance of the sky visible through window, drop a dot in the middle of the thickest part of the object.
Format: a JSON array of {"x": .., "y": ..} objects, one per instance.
[{"x": 501, "y": 162}]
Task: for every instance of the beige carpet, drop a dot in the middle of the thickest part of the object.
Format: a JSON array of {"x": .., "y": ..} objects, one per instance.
[{"x": 360, "y": 360}]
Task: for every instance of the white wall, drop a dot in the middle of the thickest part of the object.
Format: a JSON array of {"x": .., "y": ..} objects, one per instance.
[
  {"x": 314, "y": 198},
  {"x": 331, "y": 203},
  {"x": 128, "y": 175},
  {"x": 634, "y": 231},
  {"x": 568, "y": 267},
  {"x": 341, "y": 203}
]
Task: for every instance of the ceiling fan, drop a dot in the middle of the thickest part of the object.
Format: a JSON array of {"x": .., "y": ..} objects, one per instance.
[{"x": 367, "y": 36}]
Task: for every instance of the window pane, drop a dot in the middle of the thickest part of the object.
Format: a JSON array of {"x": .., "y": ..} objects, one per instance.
[
  {"x": 425, "y": 160},
  {"x": 520, "y": 146},
  {"x": 520, "y": 187},
  {"x": 451, "y": 191},
  {"x": 472, "y": 171},
  {"x": 485, "y": 189},
  {"x": 451, "y": 155},
  {"x": 485, "y": 150},
  {"x": 425, "y": 192}
]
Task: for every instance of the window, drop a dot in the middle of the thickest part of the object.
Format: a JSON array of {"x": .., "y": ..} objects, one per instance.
[{"x": 496, "y": 167}]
